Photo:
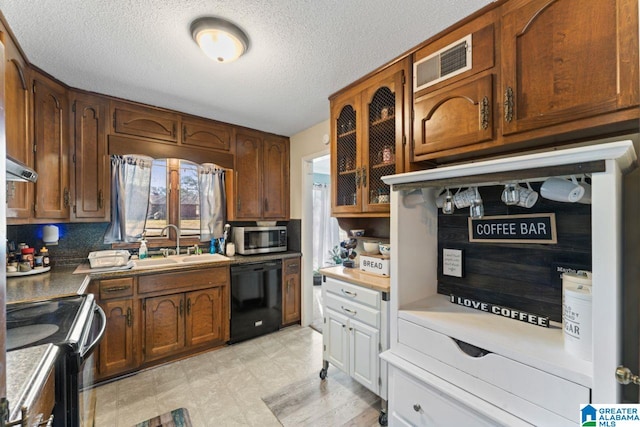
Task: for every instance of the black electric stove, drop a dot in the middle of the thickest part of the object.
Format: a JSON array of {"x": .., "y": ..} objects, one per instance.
[
  {"x": 34, "y": 323},
  {"x": 76, "y": 324}
]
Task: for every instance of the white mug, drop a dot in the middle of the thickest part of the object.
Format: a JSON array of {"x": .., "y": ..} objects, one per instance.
[
  {"x": 586, "y": 198},
  {"x": 463, "y": 199},
  {"x": 562, "y": 190},
  {"x": 528, "y": 196}
]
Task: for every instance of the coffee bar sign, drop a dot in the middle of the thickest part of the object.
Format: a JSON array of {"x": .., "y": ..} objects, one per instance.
[{"x": 530, "y": 228}]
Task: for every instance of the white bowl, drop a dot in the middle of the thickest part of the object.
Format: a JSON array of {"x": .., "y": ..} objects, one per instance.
[{"x": 370, "y": 247}]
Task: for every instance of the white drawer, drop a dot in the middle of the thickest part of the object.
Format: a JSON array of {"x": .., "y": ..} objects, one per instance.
[
  {"x": 556, "y": 394},
  {"x": 414, "y": 403},
  {"x": 353, "y": 292},
  {"x": 353, "y": 310}
]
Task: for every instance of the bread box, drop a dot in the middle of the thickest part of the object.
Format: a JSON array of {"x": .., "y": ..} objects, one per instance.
[{"x": 376, "y": 264}]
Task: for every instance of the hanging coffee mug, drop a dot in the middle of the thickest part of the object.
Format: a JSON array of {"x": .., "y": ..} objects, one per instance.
[
  {"x": 448, "y": 206},
  {"x": 511, "y": 194},
  {"x": 527, "y": 197},
  {"x": 562, "y": 190}
]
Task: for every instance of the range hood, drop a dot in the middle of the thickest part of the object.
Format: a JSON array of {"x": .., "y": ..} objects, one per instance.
[{"x": 18, "y": 171}]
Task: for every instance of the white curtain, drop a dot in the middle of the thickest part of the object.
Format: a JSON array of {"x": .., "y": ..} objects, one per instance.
[
  {"x": 212, "y": 201},
  {"x": 325, "y": 228},
  {"x": 130, "y": 186}
]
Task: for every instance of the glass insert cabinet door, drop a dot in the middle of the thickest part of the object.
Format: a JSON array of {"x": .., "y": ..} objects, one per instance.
[
  {"x": 346, "y": 162},
  {"x": 367, "y": 130}
]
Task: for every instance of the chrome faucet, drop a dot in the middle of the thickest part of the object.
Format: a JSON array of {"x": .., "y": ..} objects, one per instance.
[{"x": 177, "y": 236}]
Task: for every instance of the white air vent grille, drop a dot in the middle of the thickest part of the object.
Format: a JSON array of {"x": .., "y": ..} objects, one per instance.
[{"x": 443, "y": 64}]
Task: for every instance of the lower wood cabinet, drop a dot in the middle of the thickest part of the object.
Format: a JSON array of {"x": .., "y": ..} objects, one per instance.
[
  {"x": 291, "y": 290},
  {"x": 154, "y": 317},
  {"x": 116, "y": 348},
  {"x": 179, "y": 321}
]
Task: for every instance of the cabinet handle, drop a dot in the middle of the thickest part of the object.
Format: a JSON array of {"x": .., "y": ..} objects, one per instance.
[
  {"x": 266, "y": 205},
  {"x": 184, "y": 133},
  {"x": 484, "y": 113},
  {"x": 129, "y": 317},
  {"x": 66, "y": 197},
  {"x": 288, "y": 285},
  {"x": 349, "y": 293},
  {"x": 417, "y": 407},
  {"x": 188, "y": 306},
  {"x": 11, "y": 190},
  {"x": 364, "y": 176},
  {"x": 346, "y": 310},
  {"x": 174, "y": 130},
  {"x": 100, "y": 199},
  {"x": 357, "y": 178},
  {"x": 508, "y": 104},
  {"x": 116, "y": 289},
  {"x": 181, "y": 307}
]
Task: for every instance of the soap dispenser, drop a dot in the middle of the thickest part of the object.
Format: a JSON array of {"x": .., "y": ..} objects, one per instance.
[{"x": 143, "y": 252}]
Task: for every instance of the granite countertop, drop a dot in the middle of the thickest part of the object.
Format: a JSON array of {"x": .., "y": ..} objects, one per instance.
[
  {"x": 57, "y": 282},
  {"x": 358, "y": 277},
  {"x": 27, "y": 371}
]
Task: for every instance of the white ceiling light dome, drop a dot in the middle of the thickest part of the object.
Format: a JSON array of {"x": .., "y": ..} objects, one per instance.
[{"x": 219, "y": 39}]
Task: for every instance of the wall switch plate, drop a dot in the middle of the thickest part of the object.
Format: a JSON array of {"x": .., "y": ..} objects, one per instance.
[{"x": 452, "y": 262}]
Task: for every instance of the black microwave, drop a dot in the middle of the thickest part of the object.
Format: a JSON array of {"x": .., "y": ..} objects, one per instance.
[{"x": 259, "y": 240}]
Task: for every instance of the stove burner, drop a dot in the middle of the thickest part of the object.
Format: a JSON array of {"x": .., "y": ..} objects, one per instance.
[
  {"x": 31, "y": 311},
  {"x": 25, "y": 335}
]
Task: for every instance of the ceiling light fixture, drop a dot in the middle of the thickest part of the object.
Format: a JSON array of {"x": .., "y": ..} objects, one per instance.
[{"x": 219, "y": 39}]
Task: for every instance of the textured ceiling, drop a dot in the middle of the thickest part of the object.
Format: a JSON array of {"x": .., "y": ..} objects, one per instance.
[{"x": 301, "y": 51}]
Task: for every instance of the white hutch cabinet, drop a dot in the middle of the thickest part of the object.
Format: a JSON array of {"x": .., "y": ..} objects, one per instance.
[{"x": 453, "y": 365}]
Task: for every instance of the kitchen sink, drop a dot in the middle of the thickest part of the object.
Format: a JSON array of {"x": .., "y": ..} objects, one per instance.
[{"x": 177, "y": 259}]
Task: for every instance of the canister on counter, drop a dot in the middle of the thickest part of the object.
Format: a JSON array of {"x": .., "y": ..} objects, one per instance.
[
  {"x": 576, "y": 314},
  {"x": 27, "y": 255}
]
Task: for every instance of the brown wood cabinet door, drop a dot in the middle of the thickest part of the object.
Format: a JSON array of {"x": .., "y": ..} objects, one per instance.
[
  {"x": 146, "y": 122},
  {"x": 346, "y": 171},
  {"x": 206, "y": 134},
  {"x": 204, "y": 316},
  {"x": 381, "y": 140},
  {"x": 567, "y": 59},
  {"x": 291, "y": 291},
  {"x": 248, "y": 202},
  {"x": 275, "y": 178},
  {"x": 91, "y": 162},
  {"x": 19, "y": 146},
  {"x": 164, "y": 325},
  {"x": 50, "y": 128},
  {"x": 454, "y": 117},
  {"x": 117, "y": 346}
]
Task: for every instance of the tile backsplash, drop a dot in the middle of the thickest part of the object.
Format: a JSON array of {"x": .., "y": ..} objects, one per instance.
[{"x": 76, "y": 240}]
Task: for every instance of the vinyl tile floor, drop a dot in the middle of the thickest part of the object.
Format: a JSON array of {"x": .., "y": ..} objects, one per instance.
[{"x": 222, "y": 387}]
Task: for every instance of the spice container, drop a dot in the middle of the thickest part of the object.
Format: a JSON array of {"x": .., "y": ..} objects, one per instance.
[{"x": 45, "y": 256}]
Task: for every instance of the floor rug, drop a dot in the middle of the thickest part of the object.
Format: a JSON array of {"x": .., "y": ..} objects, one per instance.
[
  {"x": 336, "y": 401},
  {"x": 176, "y": 418}
]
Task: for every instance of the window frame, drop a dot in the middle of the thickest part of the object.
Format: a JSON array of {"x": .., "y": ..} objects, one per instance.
[{"x": 173, "y": 214}]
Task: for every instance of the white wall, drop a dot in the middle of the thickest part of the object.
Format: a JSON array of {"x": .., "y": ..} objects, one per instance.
[{"x": 309, "y": 141}]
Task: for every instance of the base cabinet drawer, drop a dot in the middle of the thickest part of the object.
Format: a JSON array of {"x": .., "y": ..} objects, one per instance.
[
  {"x": 414, "y": 403},
  {"x": 353, "y": 293}
]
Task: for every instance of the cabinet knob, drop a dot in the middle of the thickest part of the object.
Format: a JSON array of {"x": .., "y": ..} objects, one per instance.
[{"x": 417, "y": 407}]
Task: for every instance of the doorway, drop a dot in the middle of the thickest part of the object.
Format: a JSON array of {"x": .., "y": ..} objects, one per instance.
[{"x": 325, "y": 232}]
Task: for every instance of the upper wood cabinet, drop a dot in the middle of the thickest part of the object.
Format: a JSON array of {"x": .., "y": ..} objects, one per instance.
[
  {"x": 51, "y": 147},
  {"x": 566, "y": 60},
  {"x": 130, "y": 119},
  {"x": 454, "y": 106},
  {"x": 91, "y": 189},
  {"x": 206, "y": 133},
  {"x": 367, "y": 142},
  {"x": 260, "y": 188},
  {"x": 18, "y": 137}
]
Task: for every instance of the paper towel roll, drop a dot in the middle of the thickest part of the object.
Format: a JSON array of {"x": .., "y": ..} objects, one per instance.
[{"x": 50, "y": 234}]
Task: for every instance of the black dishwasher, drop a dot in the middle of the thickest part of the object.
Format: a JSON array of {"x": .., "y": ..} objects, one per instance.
[{"x": 256, "y": 299}]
